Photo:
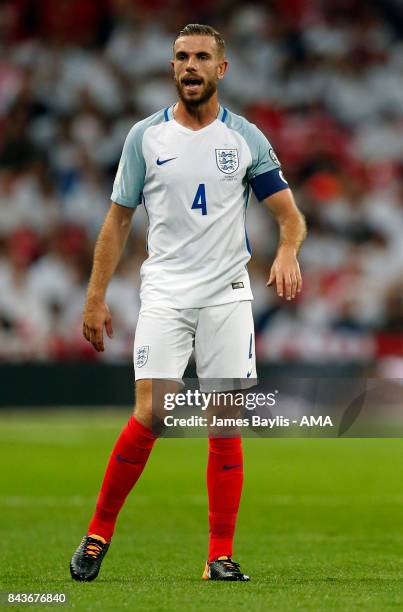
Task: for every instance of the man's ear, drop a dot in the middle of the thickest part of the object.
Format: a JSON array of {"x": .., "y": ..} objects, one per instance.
[{"x": 222, "y": 68}]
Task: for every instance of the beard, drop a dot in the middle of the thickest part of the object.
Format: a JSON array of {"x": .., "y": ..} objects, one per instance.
[{"x": 196, "y": 101}]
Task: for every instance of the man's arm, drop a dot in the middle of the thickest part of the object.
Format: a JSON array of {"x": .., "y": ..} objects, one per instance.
[
  {"x": 108, "y": 249},
  {"x": 285, "y": 269}
]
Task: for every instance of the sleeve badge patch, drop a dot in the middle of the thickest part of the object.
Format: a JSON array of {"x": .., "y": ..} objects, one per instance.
[{"x": 274, "y": 157}]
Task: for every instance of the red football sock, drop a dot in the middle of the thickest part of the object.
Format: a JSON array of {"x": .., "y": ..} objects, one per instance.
[
  {"x": 224, "y": 484},
  {"x": 125, "y": 466}
]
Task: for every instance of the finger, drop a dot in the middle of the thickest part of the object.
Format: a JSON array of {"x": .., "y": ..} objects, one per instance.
[
  {"x": 279, "y": 283},
  {"x": 86, "y": 333},
  {"x": 97, "y": 339},
  {"x": 288, "y": 286},
  {"x": 271, "y": 277},
  {"x": 299, "y": 282},
  {"x": 293, "y": 285},
  {"x": 108, "y": 327},
  {"x": 91, "y": 337}
]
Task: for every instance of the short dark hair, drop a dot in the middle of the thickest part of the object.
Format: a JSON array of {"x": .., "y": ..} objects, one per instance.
[{"x": 197, "y": 29}]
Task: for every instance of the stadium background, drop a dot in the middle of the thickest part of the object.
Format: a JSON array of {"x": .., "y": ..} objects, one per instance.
[{"x": 324, "y": 81}]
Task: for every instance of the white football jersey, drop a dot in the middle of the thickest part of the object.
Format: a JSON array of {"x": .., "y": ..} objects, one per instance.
[{"x": 195, "y": 186}]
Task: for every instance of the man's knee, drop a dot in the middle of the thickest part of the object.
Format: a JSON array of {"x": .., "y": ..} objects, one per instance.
[
  {"x": 149, "y": 405},
  {"x": 143, "y": 402}
]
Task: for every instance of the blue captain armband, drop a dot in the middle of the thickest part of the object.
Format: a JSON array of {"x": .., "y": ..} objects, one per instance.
[{"x": 264, "y": 185}]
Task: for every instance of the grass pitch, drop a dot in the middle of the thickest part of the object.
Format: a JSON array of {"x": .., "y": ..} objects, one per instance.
[{"x": 320, "y": 526}]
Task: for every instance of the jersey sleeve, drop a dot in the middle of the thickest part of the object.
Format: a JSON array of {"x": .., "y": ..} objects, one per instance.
[
  {"x": 265, "y": 175},
  {"x": 130, "y": 175}
]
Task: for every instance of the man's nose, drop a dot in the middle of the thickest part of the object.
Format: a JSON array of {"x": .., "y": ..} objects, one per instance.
[{"x": 191, "y": 64}]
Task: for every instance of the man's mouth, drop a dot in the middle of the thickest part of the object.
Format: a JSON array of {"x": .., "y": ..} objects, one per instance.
[{"x": 191, "y": 84}]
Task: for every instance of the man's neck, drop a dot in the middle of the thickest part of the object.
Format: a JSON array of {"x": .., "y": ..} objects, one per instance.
[{"x": 197, "y": 117}]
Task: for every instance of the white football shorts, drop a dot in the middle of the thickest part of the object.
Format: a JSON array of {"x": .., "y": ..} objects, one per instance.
[{"x": 222, "y": 337}]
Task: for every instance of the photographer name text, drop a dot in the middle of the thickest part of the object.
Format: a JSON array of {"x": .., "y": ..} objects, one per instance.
[{"x": 252, "y": 420}]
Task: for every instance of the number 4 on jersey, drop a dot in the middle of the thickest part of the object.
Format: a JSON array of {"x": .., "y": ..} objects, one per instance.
[{"x": 200, "y": 199}]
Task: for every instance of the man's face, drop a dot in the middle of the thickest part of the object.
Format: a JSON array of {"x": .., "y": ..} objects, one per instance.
[{"x": 197, "y": 67}]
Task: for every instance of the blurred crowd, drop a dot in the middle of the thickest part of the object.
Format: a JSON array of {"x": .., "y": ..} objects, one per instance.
[{"x": 322, "y": 79}]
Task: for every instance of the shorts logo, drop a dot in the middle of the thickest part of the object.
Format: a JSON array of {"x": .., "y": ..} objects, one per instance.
[
  {"x": 237, "y": 285},
  {"x": 227, "y": 160},
  {"x": 141, "y": 356}
]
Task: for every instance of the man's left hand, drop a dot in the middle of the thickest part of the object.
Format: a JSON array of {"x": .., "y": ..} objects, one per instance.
[{"x": 286, "y": 273}]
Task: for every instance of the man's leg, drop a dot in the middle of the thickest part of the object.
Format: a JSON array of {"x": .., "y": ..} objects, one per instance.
[
  {"x": 162, "y": 348},
  {"x": 225, "y": 357},
  {"x": 224, "y": 485},
  {"x": 125, "y": 466},
  {"x": 126, "y": 463}
]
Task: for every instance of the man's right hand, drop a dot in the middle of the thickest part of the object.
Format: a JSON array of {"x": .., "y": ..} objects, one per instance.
[{"x": 96, "y": 314}]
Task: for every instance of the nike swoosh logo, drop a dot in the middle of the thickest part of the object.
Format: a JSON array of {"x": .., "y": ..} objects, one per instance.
[
  {"x": 125, "y": 460},
  {"x": 164, "y": 161},
  {"x": 249, "y": 374},
  {"x": 231, "y": 467}
]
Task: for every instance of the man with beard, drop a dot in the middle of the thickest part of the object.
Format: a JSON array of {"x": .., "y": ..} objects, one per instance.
[{"x": 192, "y": 166}]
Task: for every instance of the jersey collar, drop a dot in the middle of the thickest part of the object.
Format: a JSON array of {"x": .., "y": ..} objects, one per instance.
[{"x": 222, "y": 115}]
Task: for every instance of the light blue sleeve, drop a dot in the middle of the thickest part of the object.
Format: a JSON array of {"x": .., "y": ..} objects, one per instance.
[
  {"x": 264, "y": 173},
  {"x": 264, "y": 158},
  {"x": 130, "y": 176},
  {"x": 129, "y": 180}
]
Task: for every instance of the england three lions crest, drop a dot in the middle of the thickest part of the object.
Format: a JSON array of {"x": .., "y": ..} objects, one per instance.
[
  {"x": 227, "y": 160},
  {"x": 141, "y": 356}
]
